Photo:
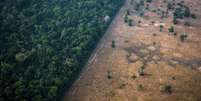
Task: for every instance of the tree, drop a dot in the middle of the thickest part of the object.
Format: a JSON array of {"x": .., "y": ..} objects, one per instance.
[
  {"x": 169, "y": 6},
  {"x": 193, "y": 16},
  {"x": 187, "y": 12},
  {"x": 52, "y": 93},
  {"x": 175, "y": 21},
  {"x": 45, "y": 43},
  {"x": 130, "y": 22},
  {"x": 150, "y": 1},
  {"x": 113, "y": 45},
  {"x": 161, "y": 28},
  {"x": 126, "y": 18},
  {"x": 183, "y": 36},
  {"x": 127, "y": 12},
  {"x": 171, "y": 29},
  {"x": 166, "y": 89},
  {"x": 20, "y": 57}
]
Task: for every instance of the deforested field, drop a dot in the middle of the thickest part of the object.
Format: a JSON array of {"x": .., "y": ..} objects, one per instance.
[{"x": 150, "y": 52}]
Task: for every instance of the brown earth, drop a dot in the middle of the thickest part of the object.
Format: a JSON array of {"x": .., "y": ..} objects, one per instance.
[{"x": 112, "y": 74}]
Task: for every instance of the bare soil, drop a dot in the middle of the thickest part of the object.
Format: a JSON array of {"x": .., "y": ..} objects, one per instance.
[{"x": 112, "y": 74}]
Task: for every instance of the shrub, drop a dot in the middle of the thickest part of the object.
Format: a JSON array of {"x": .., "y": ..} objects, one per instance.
[
  {"x": 130, "y": 22},
  {"x": 109, "y": 74},
  {"x": 126, "y": 18},
  {"x": 187, "y": 12},
  {"x": 141, "y": 71},
  {"x": 193, "y": 16},
  {"x": 161, "y": 28},
  {"x": 183, "y": 36},
  {"x": 134, "y": 77},
  {"x": 140, "y": 87},
  {"x": 127, "y": 12},
  {"x": 175, "y": 21},
  {"x": 171, "y": 29},
  {"x": 149, "y": 1},
  {"x": 166, "y": 89},
  {"x": 113, "y": 44},
  {"x": 175, "y": 34}
]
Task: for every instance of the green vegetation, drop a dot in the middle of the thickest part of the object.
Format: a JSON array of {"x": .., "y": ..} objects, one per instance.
[
  {"x": 175, "y": 21},
  {"x": 183, "y": 36},
  {"x": 126, "y": 18},
  {"x": 141, "y": 70},
  {"x": 161, "y": 28},
  {"x": 44, "y": 44},
  {"x": 109, "y": 75},
  {"x": 113, "y": 45},
  {"x": 170, "y": 6},
  {"x": 134, "y": 77},
  {"x": 140, "y": 87},
  {"x": 166, "y": 89},
  {"x": 128, "y": 12},
  {"x": 173, "y": 78},
  {"x": 182, "y": 11},
  {"x": 150, "y": 1},
  {"x": 130, "y": 22},
  {"x": 171, "y": 29},
  {"x": 193, "y": 16}
]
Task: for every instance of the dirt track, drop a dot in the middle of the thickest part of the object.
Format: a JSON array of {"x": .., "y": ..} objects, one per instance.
[{"x": 112, "y": 74}]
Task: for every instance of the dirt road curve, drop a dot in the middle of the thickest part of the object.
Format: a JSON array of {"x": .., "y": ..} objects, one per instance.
[{"x": 146, "y": 64}]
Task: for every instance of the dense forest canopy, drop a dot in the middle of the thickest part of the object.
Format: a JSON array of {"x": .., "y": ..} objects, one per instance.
[{"x": 44, "y": 43}]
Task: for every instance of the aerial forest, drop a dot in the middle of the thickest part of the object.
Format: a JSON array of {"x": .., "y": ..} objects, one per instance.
[{"x": 44, "y": 44}]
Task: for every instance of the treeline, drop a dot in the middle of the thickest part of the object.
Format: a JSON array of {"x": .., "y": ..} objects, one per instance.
[{"x": 44, "y": 43}]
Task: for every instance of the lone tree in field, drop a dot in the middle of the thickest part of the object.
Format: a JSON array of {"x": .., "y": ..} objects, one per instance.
[
  {"x": 171, "y": 29},
  {"x": 161, "y": 28},
  {"x": 166, "y": 89},
  {"x": 183, "y": 36},
  {"x": 113, "y": 44},
  {"x": 193, "y": 16},
  {"x": 130, "y": 22},
  {"x": 141, "y": 70}
]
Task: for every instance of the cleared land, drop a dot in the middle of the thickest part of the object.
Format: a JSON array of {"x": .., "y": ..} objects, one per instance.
[{"x": 145, "y": 64}]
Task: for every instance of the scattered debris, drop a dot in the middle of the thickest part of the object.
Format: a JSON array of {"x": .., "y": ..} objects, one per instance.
[
  {"x": 132, "y": 57},
  {"x": 199, "y": 68},
  {"x": 156, "y": 58},
  {"x": 151, "y": 48}
]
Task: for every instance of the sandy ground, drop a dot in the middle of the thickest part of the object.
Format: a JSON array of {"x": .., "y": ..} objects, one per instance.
[{"x": 112, "y": 74}]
